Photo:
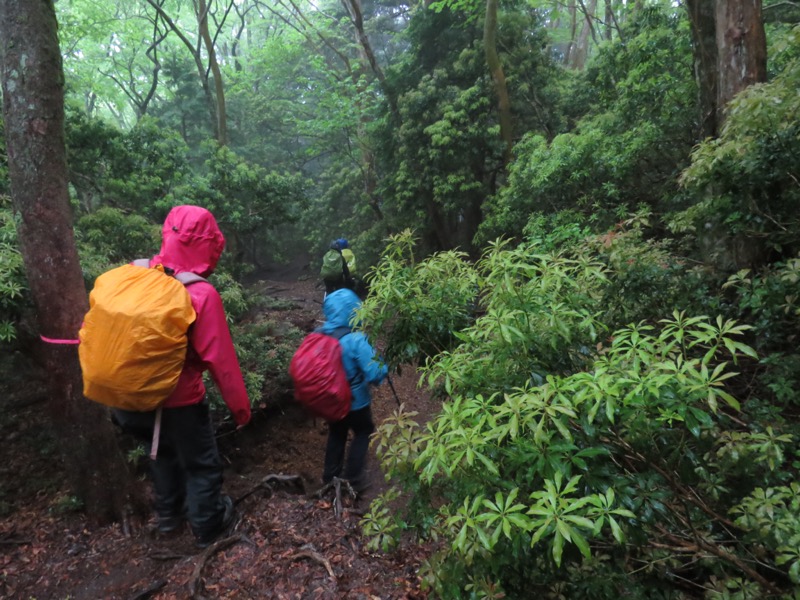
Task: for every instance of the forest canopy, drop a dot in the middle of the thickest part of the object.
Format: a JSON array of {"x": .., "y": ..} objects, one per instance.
[{"x": 581, "y": 225}]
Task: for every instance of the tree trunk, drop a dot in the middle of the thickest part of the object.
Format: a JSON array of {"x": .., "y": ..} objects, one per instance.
[
  {"x": 498, "y": 77},
  {"x": 741, "y": 49},
  {"x": 572, "y": 10},
  {"x": 581, "y": 49},
  {"x": 704, "y": 41},
  {"x": 213, "y": 65},
  {"x": 33, "y": 107},
  {"x": 367, "y": 59},
  {"x": 198, "y": 61}
]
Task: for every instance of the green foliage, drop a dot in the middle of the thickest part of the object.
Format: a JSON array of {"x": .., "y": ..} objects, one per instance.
[
  {"x": 745, "y": 181},
  {"x": 538, "y": 315},
  {"x": 67, "y": 504},
  {"x": 419, "y": 307},
  {"x": 627, "y": 144},
  {"x": 770, "y": 517},
  {"x": 650, "y": 277},
  {"x": 576, "y": 463},
  {"x": 109, "y": 236},
  {"x": 264, "y": 350},
  {"x": 136, "y": 171},
  {"x": 564, "y": 464},
  {"x": 248, "y": 200},
  {"x": 440, "y": 152},
  {"x": 13, "y": 283},
  {"x": 382, "y": 524},
  {"x": 768, "y": 299}
]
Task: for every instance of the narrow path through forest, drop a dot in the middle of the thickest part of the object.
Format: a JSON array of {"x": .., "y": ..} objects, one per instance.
[{"x": 288, "y": 544}]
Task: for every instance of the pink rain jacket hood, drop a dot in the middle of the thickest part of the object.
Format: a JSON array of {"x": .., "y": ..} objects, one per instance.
[{"x": 192, "y": 242}]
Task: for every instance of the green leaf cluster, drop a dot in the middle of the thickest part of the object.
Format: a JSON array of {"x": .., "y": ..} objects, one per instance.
[
  {"x": 14, "y": 299},
  {"x": 745, "y": 181},
  {"x": 576, "y": 460},
  {"x": 632, "y": 122}
]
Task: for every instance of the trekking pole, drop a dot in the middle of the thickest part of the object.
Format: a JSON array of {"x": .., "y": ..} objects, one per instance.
[{"x": 394, "y": 392}]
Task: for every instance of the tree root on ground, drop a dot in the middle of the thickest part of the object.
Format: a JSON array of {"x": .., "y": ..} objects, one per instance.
[
  {"x": 195, "y": 585},
  {"x": 149, "y": 590},
  {"x": 165, "y": 556},
  {"x": 336, "y": 484},
  {"x": 11, "y": 542},
  {"x": 269, "y": 482},
  {"x": 308, "y": 551}
]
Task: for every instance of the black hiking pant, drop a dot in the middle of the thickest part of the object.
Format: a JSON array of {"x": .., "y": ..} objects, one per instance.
[
  {"x": 360, "y": 422},
  {"x": 187, "y": 471},
  {"x": 331, "y": 285}
]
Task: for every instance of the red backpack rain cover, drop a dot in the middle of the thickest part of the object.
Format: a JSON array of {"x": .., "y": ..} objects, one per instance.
[{"x": 320, "y": 381}]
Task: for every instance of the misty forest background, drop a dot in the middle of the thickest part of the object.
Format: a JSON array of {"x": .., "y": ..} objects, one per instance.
[{"x": 579, "y": 219}]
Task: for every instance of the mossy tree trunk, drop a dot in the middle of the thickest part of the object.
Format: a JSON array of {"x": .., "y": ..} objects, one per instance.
[{"x": 33, "y": 108}]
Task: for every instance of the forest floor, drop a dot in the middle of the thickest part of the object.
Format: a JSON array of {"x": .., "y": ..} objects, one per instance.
[{"x": 288, "y": 544}]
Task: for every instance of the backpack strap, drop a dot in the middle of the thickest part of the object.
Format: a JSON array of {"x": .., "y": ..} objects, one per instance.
[
  {"x": 186, "y": 278},
  {"x": 338, "y": 334},
  {"x": 345, "y": 268}
]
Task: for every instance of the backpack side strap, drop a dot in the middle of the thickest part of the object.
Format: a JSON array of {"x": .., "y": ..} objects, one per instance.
[
  {"x": 338, "y": 334},
  {"x": 189, "y": 278},
  {"x": 185, "y": 278}
]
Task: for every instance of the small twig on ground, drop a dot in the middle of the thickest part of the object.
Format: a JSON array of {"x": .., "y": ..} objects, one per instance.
[
  {"x": 267, "y": 484},
  {"x": 164, "y": 556},
  {"x": 195, "y": 586},
  {"x": 14, "y": 542},
  {"x": 149, "y": 590},
  {"x": 308, "y": 551}
]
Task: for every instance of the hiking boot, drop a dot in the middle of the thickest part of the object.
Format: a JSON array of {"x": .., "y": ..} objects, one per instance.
[
  {"x": 169, "y": 523},
  {"x": 359, "y": 485},
  {"x": 225, "y": 525}
]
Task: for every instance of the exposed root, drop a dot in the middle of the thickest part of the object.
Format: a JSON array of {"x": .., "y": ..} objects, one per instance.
[
  {"x": 10, "y": 542},
  {"x": 308, "y": 551},
  {"x": 165, "y": 556},
  {"x": 149, "y": 590},
  {"x": 269, "y": 483},
  {"x": 337, "y": 484},
  {"x": 195, "y": 585}
]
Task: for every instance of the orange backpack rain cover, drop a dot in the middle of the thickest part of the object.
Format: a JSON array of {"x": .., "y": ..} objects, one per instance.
[{"x": 134, "y": 337}]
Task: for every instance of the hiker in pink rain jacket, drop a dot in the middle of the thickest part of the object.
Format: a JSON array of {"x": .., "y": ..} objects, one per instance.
[{"x": 187, "y": 471}]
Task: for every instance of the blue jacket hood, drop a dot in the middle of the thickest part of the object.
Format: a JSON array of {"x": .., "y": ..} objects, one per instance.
[
  {"x": 362, "y": 365},
  {"x": 339, "y": 309}
]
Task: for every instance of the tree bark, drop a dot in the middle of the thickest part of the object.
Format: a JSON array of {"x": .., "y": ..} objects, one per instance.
[
  {"x": 580, "y": 50},
  {"x": 572, "y": 10},
  {"x": 213, "y": 65},
  {"x": 367, "y": 59},
  {"x": 498, "y": 77},
  {"x": 198, "y": 61},
  {"x": 33, "y": 108},
  {"x": 704, "y": 41},
  {"x": 741, "y": 49}
]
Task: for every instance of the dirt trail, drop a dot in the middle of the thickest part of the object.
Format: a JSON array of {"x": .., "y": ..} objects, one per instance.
[{"x": 287, "y": 544}]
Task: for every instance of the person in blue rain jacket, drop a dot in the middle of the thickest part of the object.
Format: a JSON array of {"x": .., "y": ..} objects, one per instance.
[{"x": 364, "y": 369}]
